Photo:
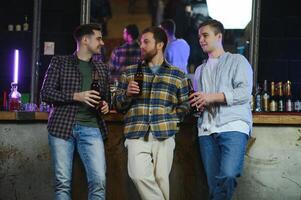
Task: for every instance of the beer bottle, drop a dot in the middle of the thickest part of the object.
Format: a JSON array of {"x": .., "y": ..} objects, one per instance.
[
  {"x": 273, "y": 102},
  {"x": 95, "y": 86},
  {"x": 138, "y": 77},
  {"x": 194, "y": 110},
  {"x": 265, "y": 97}
]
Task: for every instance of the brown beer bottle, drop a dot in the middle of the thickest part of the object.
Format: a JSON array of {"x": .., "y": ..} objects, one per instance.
[
  {"x": 194, "y": 110},
  {"x": 95, "y": 86},
  {"x": 138, "y": 77}
]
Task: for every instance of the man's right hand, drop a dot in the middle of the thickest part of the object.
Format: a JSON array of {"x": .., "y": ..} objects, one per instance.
[
  {"x": 132, "y": 89},
  {"x": 90, "y": 97}
]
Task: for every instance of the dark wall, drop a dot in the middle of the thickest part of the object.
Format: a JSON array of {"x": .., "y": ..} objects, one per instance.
[
  {"x": 13, "y": 12},
  {"x": 280, "y": 42},
  {"x": 59, "y": 18}
]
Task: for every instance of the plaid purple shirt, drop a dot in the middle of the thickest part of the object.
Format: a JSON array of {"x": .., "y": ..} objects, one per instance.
[
  {"x": 125, "y": 55},
  {"x": 61, "y": 81}
]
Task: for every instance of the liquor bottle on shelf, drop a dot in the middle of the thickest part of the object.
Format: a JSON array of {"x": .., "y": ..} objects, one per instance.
[
  {"x": 280, "y": 99},
  {"x": 273, "y": 101},
  {"x": 258, "y": 99},
  {"x": 297, "y": 105},
  {"x": 5, "y": 107},
  {"x": 25, "y": 25},
  {"x": 265, "y": 97},
  {"x": 288, "y": 97},
  {"x": 194, "y": 110},
  {"x": 14, "y": 98}
]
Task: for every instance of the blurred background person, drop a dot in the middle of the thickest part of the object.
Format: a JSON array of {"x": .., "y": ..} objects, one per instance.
[
  {"x": 177, "y": 50},
  {"x": 128, "y": 53}
]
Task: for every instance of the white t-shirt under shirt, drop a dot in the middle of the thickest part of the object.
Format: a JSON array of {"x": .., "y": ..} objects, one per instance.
[{"x": 209, "y": 126}]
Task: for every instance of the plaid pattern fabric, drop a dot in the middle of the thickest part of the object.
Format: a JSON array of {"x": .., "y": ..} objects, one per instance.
[
  {"x": 61, "y": 81},
  {"x": 160, "y": 107},
  {"x": 125, "y": 55}
]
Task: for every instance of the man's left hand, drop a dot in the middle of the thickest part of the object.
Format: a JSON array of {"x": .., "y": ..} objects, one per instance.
[{"x": 105, "y": 108}]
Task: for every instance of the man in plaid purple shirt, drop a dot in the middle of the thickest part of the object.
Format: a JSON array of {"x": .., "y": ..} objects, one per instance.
[
  {"x": 76, "y": 121},
  {"x": 127, "y": 54}
]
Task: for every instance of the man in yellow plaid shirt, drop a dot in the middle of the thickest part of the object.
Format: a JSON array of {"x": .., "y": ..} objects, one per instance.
[{"x": 152, "y": 116}]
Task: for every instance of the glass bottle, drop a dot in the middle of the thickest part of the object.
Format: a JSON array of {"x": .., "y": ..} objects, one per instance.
[
  {"x": 138, "y": 77},
  {"x": 95, "y": 86},
  {"x": 288, "y": 98},
  {"x": 194, "y": 110},
  {"x": 25, "y": 25},
  {"x": 14, "y": 98},
  {"x": 273, "y": 103},
  {"x": 280, "y": 98},
  {"x": 113, "y": 90},
  {"x": 258, "y": 99},
  {"x": 265, "y": 97},
  {"x": 5, "y": 107},
  {"x": 297, "y": 105}
]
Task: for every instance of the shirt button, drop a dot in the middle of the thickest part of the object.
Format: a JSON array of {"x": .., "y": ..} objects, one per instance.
[{"x": 150, "y": 112}]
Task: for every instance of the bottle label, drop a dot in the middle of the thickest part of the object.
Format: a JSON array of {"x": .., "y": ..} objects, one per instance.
[
  {"x": 289, "y": 106},
  {"x": 258, "y": 104},
  {"x": 297, "y": 106},
  {"x": 265, "y": 103},
  {"x": 273, "y": 106},
  {"x": 280, "y": 106}
]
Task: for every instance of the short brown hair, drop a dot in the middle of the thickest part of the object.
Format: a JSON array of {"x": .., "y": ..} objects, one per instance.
[
  {"x": 159, "y": 35},
  {"x": 216, "y": 25}
]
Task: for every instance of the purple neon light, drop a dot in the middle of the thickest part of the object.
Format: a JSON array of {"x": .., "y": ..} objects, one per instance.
[{"x": 16, "y": 65}]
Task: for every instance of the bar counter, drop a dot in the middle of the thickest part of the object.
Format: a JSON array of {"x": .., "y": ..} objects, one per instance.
[
  {"x": 285, "y": 118},
  {"x": 271, "y": 171}
]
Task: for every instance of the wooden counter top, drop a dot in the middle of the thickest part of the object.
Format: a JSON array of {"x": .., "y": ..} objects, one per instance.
[
  {"x": 277, "y": 118},
  {"x": 258, "y": 118}
]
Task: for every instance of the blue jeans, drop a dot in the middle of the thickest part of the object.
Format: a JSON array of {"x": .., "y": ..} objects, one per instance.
[
  {"x": 223, "y": 156},
  {"x": 88, "y": 141}
]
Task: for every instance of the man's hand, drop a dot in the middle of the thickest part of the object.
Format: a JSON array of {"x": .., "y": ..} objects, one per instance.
[
  {"x": 104, "y": 108},
  {"x": 90, "y": 97},
  {"x": 196, "y": 99},
  {"x": 132, "y": 89},
  {"x": 201, "y": 99}
]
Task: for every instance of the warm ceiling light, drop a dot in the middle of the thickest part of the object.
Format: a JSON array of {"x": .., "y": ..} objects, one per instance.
[{"x": 234, "y": 14}]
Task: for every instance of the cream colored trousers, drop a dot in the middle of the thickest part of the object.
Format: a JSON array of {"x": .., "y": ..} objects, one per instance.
[{"x": 149, "y": 165}]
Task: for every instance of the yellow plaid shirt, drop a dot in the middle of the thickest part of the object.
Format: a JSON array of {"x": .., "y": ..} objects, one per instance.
[{"x": 161, "y": 106}]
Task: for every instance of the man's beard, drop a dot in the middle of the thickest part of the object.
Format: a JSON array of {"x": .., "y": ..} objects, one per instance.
[{"x": 149, "y": 55}]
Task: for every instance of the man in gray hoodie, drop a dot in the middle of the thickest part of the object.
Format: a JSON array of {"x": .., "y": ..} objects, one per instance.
[{"x": 224, "y": 86}]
